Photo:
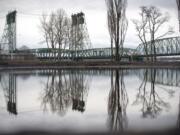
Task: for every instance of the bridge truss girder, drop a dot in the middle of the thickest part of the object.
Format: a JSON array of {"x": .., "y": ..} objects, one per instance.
[
  {"x": 70, "y": 54},
  {"x": 166, "y": 46}
]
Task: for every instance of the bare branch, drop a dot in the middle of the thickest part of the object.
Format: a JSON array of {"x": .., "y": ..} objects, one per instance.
[{"x": 148, "y": 27}]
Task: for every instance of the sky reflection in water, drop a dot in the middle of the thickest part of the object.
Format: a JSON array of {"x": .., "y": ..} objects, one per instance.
[{"x": 89, "y": 100}]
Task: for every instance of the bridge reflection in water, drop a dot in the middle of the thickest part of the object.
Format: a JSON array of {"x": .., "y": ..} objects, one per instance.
[
  {"x": 69, "y": 89},
  {"x": 9, "y": 87},
  {"x": 169, "y": 77}
]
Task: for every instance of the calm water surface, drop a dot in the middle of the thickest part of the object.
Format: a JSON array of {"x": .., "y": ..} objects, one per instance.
[{"x": 90, "y": 100}]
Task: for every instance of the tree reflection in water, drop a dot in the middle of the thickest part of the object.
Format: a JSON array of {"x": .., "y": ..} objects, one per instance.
[
  {"x": 56, "y": 93},
  {"x": 152, "y": 103},
  {"x": 63, "y": 90},
  {"x": 117, "y": 103}
]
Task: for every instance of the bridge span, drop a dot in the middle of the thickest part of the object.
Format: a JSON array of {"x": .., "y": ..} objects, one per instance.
[{"x": 164, "y": 47}]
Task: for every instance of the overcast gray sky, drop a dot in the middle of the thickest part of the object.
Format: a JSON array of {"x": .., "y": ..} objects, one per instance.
[{"x": 28, "y": 31}]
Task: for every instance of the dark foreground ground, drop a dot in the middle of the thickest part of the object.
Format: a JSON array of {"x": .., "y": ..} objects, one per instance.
[{"x": 173, "y": 132}]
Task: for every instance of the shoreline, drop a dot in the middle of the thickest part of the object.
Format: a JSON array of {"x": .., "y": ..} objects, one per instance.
[{"x": 26, "y": 65}]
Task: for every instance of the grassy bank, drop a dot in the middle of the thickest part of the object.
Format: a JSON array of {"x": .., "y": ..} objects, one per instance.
[{"x": 86, "y": 64}]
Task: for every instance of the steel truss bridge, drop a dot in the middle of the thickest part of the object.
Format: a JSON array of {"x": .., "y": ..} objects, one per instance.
[
  {"x": 96, "y": 53},
  {"x": 164, "y": 47}
]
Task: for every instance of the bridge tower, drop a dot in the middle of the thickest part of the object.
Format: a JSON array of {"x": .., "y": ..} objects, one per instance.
[
  {"x": 8, "y": 40},
  {"x": 79, "y": 34}
]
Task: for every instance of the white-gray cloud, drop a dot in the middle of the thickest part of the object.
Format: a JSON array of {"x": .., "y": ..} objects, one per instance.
[{"x": 95, "y": 11}]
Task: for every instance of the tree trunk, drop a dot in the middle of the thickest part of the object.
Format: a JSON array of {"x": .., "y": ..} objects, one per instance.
[
  {"x": 153, "y": 45},
  {"x": 117, "y": 39},
  {"x": 111, "y": 48}
]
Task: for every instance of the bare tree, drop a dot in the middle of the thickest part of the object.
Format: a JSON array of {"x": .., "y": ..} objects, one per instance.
[
  {"x": 56, "y": 29},
  {"x": 48, "y": 28},
  {"x": 51, "y": 30},
  {"x": 117, "y": 24},
  {"x": 141, "y": 28},
  {"x": 178, "y": 5},
  {"x": 44, "y": 28},
  {"x": 67, "y": 41},
  {"x": 148, "y": 28},
  {"x": 61, "y": 28},
  {"x": 111, "y": 28}
]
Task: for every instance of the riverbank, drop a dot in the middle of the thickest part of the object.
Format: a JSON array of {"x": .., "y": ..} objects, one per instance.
[{"x": 100, "y": 64}]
